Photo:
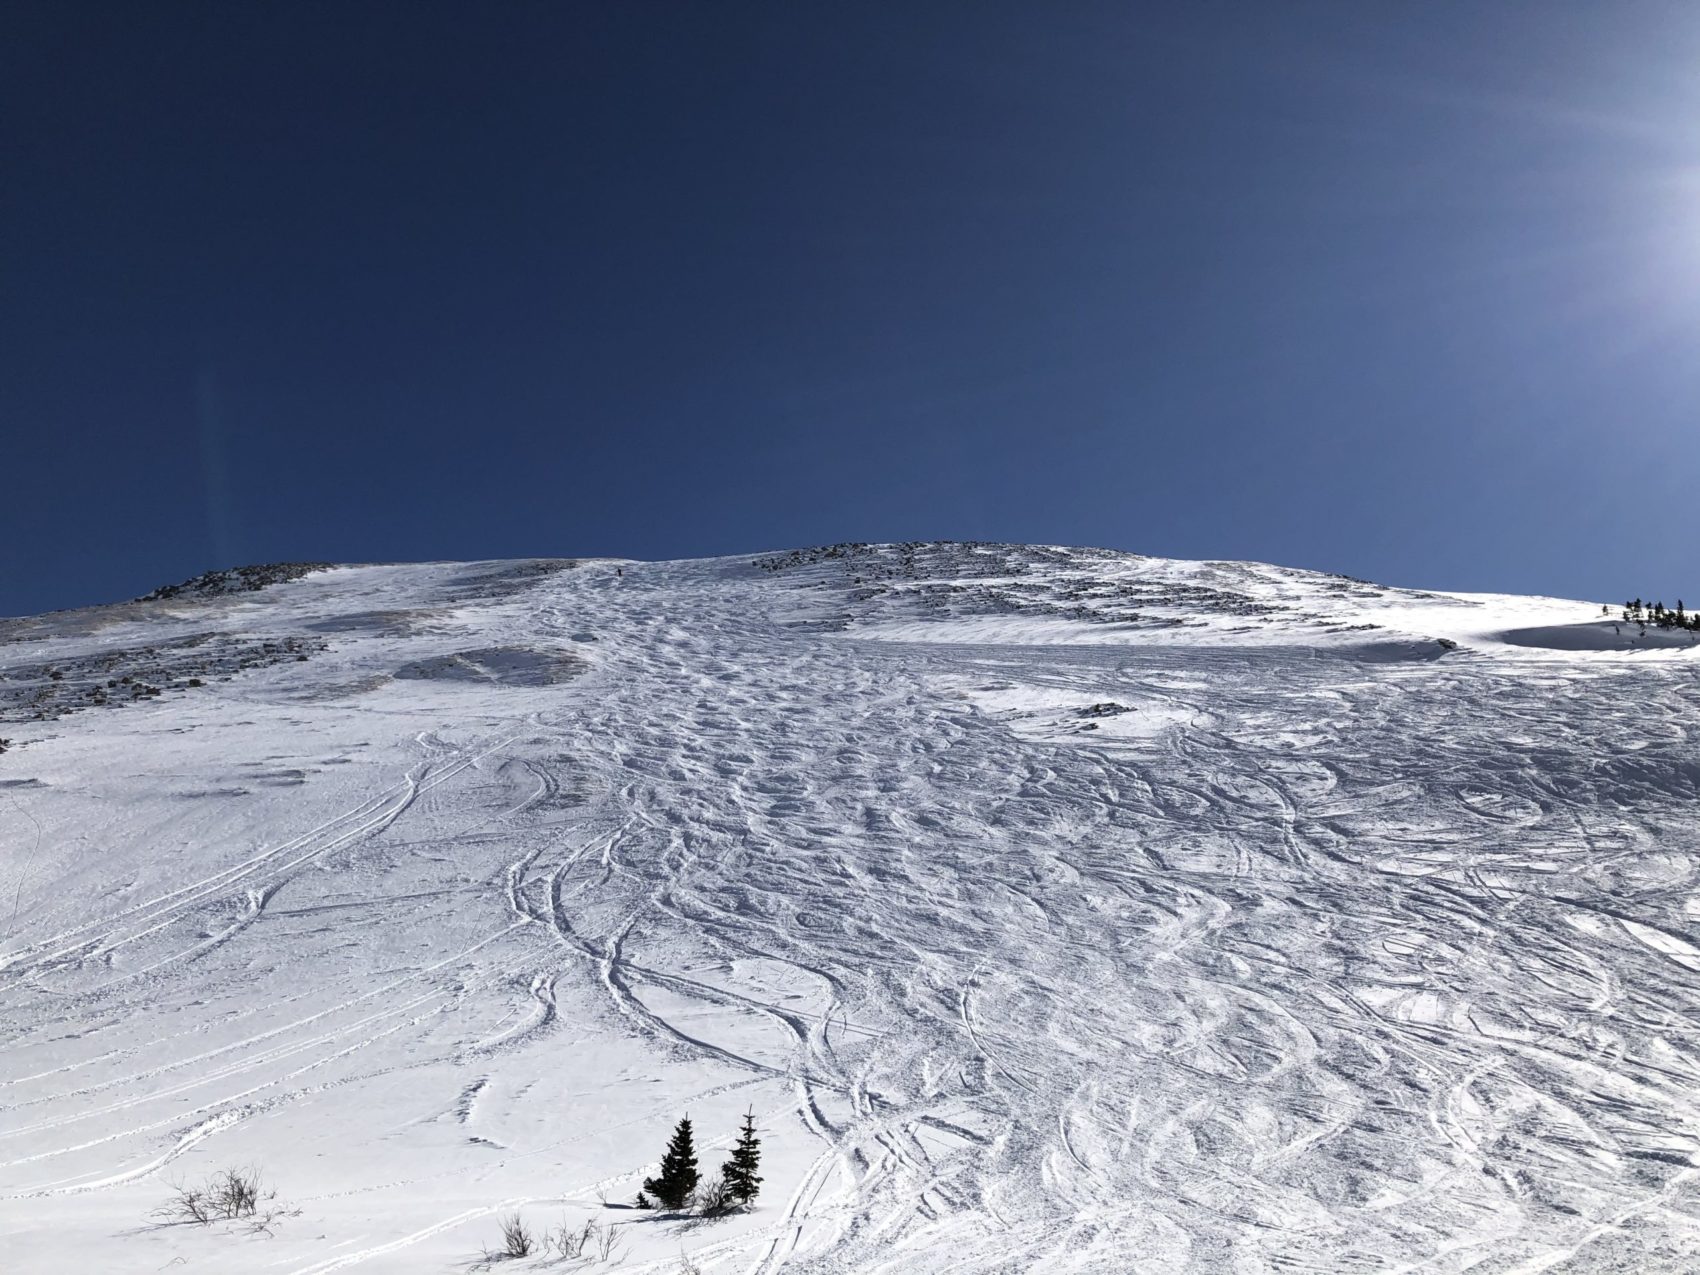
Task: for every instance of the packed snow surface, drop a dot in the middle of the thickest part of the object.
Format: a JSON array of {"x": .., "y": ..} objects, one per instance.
[{"x": 1052, "y": 910}]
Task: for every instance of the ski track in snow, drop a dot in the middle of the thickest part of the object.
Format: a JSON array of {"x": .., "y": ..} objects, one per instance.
[{"x": 1321, "y": 954}]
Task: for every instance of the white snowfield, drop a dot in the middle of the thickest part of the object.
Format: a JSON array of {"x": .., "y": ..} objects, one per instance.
[{"x": 1054, "y": 910}]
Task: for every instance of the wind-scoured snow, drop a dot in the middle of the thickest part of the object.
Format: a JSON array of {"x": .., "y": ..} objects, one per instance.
[{"x": 1054, "y": 910}]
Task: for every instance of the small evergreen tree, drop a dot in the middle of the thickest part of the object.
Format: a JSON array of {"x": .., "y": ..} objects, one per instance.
[
  {"x": 743, "y": 1183},
  {"x": 672, "y": 1187}
]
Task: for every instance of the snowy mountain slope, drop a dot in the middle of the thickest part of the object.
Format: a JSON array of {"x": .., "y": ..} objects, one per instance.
[{"x": 1053, "y": 910}]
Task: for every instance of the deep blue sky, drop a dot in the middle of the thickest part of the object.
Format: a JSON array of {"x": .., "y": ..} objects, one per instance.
[{"x": 1405, "y": 290}]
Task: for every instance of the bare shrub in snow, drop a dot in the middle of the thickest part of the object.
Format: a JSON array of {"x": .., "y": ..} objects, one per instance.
[
  {"x": 713, "y": 1196},
  {"x": 571, "y": 1244},
  {"x": 516, "y": 1237},
  {"x": 230, "y": 1195},
  {"x": 609, "y": 1246},
  {"x": 269, "y": 1213},
  {"x": 593, "y": 1242},
  {"x": 235, "y": 1193},
  {"x": 187, "y": 1205}
]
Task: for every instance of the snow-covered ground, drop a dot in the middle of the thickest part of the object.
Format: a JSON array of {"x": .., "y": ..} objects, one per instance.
[{"x": 1054, "y": 910}]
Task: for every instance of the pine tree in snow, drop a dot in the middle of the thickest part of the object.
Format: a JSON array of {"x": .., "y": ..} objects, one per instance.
[
  {"x": 672, "y": 1187},
  {"x": 739, "y": 1173}
]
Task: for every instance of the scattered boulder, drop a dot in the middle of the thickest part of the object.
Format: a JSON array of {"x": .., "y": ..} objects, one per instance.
[{"x": 218, "y": 584}]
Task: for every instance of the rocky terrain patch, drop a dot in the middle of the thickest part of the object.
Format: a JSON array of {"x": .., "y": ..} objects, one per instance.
[{"x": 47, "y": 689}]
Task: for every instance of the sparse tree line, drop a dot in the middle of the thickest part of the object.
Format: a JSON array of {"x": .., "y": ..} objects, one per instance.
[
  {"x": 679, "y": 1185},
  {"x": 1655, "y": 613},
  {"x": 239, "y": 1195}
]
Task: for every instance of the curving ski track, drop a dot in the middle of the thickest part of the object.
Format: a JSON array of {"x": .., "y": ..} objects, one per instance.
[{"x": 1314, "y": 959}]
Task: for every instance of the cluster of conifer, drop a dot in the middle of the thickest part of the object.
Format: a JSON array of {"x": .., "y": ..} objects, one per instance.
[
  {"x": 679, "y": 1184},
  {"x": 1638, "y": 612}
]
